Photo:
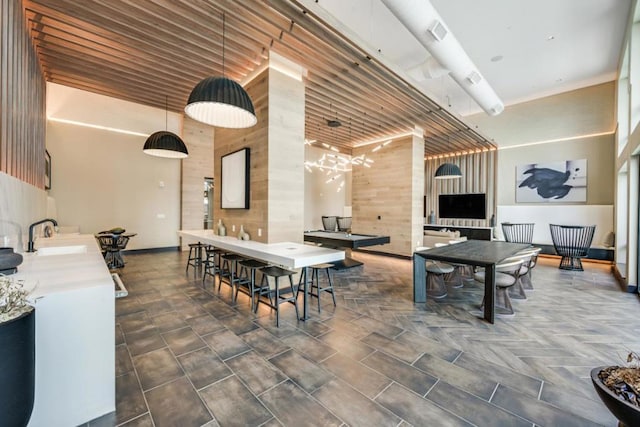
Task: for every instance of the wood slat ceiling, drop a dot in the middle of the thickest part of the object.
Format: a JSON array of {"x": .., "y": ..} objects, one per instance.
[{"x": 146, "y": 50}]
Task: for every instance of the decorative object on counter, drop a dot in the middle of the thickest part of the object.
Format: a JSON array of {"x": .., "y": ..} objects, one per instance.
[
  {"x": 432, "y": 218},
  {"x": 492, "y": 221},
  {"x": 246, "y": 236},
  {"x": 222, "y": 230},
  {"x": 17, "y": 353},
  {"x": 241, "y": 232},
  {"x": 9, "y": 261}
]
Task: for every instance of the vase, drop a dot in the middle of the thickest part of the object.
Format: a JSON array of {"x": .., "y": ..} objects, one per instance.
[
  {"x": 222, "y": 230},
  {"x": 17, "y": 369},
  {"x": 432, "y": 218},
  {"x": 241, "y": 233},
  {"x": 246, "y": 236},
  {"x": 625, "y": 412}
]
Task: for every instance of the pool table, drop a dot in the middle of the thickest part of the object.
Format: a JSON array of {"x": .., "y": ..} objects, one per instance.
[{"x": 346, "y": 241}]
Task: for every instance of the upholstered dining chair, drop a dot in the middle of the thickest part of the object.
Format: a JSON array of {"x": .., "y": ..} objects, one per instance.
[
  {"x": 507, "y": 274},
  {"x": 518, "y": 233}
]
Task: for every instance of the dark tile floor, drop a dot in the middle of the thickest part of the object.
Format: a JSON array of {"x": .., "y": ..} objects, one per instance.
[{"x": 188, "y": 356}]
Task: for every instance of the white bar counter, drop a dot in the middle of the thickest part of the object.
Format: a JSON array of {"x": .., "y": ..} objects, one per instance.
[
  {"x": 75, "y": 334},
  {"x": 286, "y": 254}
]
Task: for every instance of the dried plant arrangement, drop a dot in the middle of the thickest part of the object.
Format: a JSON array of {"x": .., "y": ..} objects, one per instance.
[
  {"x": 624, "y": 381},
  {"x": 13, "y": 299}
]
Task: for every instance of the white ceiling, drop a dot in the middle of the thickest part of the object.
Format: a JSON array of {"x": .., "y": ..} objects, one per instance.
[{"x": 547, "y": 46}]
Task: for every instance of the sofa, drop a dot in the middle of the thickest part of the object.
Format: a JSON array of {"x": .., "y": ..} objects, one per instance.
[{"x": 431, "y": 237}]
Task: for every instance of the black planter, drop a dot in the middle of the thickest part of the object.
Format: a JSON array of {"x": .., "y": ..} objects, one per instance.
[
  {"x": 17, "y": 369},
  {"x": 625, "y": 412}
]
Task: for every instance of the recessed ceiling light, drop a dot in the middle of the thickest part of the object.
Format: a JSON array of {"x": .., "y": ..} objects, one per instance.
[
  {"x": 558, "y": 80},
  {"x": 497, "y": 58},
  {"x": 551, "y": 38}
]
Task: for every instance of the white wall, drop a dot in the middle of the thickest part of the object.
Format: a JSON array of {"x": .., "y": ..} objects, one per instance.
[
  {"x": 322, "y": 198},
  {"x": 575, "y": 125},
  {"x": 101, "y": 178}
]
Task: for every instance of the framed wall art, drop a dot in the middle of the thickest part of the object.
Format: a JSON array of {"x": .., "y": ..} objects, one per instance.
[
  {"x": 47, "y": 170},
  {"x": 234, "y": 173},
  {"x": 555, "y": 182}
]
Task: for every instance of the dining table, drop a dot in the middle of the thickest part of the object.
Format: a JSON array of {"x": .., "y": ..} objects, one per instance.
[
  {"x": 290, "y": 255},
  {"x": 479, "y": 253}
]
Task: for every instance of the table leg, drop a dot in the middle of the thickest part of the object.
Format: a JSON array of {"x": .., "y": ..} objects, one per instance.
[
  {"x": 489, "y": 293},
  {"x": 305, "y": 296},
  {"x": 419, "y": 279}
]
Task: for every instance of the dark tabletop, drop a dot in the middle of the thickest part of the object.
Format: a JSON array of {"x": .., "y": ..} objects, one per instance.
[
  {"x": 342, "y": 239},
  {"x": 474, "y": 252}
]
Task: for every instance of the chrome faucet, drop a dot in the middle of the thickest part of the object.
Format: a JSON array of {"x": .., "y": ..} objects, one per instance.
[{"x": 31, "y": 227}]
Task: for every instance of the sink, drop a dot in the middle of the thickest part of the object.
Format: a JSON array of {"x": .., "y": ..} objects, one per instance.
[{"x": 62, "y": 250}]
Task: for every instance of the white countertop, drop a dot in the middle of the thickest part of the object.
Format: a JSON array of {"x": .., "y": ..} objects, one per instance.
[
  {"x": 64, "y": 272},
  {"x": 287, "y": 254}
]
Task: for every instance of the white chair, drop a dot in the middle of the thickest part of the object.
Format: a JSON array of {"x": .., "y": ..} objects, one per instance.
[{"x": 507, "y": 274}]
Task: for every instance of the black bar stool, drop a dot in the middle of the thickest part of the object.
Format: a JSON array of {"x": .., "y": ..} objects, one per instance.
[
  {"x": 276, "y": 297},
  {"x": 211, "y": 263},
  {"x": 247, "y": 278},
  {"x": 229, "y": 271},
  {"x": 315, "y": 282},
  {"x": 195, "y": 255}
]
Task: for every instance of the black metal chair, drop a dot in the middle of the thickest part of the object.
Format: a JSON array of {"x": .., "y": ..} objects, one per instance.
[
  {"x": 518, "y": 233},
  {"x": 344, "y": 223},
  {"x": 572, "y": 243},
  {"x": 329, "y": 223}
]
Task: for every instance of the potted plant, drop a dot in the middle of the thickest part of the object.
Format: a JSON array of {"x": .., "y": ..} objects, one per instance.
[
  {"x": 17, "y": 353},
  {"x": 619, "y": 389}
]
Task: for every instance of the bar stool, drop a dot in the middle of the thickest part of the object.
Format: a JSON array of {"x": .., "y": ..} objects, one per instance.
[
  {"x": 229, "y": 271},
  {"x": 247, "y": 277},
  {"x": 315, "y": 282},
  {"x": 195, "y": 255},
  {"x": 275, "y": 296},
  {"x": 435, "y": 278},
  {"x": 211, "y": 263}
]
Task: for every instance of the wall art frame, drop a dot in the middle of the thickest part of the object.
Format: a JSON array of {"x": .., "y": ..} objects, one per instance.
[{"x": 234, "y": 179}]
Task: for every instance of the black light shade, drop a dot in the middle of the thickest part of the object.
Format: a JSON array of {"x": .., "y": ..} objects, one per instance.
[
  {"x": 219, "y": 101},
  {"x": 165, "y": 144},
  {"x": 448, "y": 170}
]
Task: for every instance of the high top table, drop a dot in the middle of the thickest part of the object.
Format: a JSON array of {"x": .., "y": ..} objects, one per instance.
[
  {"x": 348, "y": 241},
  {"x": 286, "y": 254},
  {"x": 481, "y": 253}
]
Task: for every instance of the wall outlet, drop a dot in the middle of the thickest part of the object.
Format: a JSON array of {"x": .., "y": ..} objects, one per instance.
[
  {"x": 160, "y": 216},
  {"x": 161, "y": 184},
  {"x": 259, "y": 232},
  {"x": 233, "y": 228}
]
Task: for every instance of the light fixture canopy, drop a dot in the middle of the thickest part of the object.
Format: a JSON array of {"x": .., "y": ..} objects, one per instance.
[
  {"x": 448, "y": 171},
  {"x": 219, "y": 101},
  {"x": 165, "y": 144}
]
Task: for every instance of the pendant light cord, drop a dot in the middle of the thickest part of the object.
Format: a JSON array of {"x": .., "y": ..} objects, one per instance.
[
  {"x": 223, "y": 46},
  {"x": 166, "y": 112}
]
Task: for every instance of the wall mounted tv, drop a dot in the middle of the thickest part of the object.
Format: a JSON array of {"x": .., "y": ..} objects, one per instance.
[{"x": 462, "y": 206}]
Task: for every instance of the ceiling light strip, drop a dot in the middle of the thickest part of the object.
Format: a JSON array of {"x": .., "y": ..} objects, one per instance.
[
  {"x": 549, "y": 141},
  {"x": 89, "y": 125}
]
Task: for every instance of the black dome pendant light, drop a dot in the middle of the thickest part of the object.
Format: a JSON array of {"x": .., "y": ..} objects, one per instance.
[
  {"x": 164, "y": 143},
  {"x": 448, "y": 171},
  {"x": 219, "y": 101}
]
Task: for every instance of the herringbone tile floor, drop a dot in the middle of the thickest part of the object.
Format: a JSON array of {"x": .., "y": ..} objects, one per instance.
[{"x": 188, "y": 356}]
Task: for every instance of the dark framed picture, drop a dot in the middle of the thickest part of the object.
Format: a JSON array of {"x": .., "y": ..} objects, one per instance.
[
  {"x": 47, "y": 170},
  {"x": 234, "y": 173}
]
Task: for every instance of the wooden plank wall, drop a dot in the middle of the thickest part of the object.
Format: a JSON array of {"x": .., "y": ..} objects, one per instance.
[
  {"x": 22, "y": 99},
  {"x": 198, "y": 138},
  {"x": 256, "y": 139},
  {"x": 387, "y": 197},
  {"x": 478, "y": 176}
]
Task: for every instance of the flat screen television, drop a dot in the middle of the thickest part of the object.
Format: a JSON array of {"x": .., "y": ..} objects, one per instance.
[{"x": 463, "y": 206}]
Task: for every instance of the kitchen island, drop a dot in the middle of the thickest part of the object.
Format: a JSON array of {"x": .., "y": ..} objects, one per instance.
[{"x": 75, "y": 335}]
